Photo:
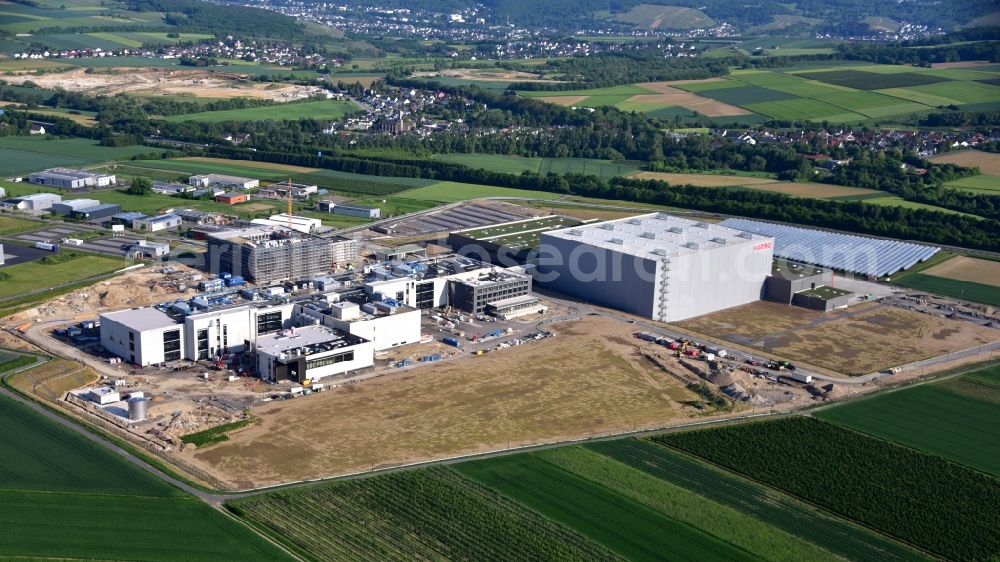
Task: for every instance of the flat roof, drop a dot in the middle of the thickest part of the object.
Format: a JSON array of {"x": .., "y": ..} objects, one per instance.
[
  {"x": 163, "y": 217},
  {"x": 142, "y": 319},
  {"x": 67, "y": 173},
  {"x": 656, "y": 235},
  {"x": 513, "y": 228},
  {"x": 791, "y": 270},
  {"x": 310, "y": 339},
  {"x": 224, "y": 177},
  {"x": 513, "y": 301},
  {"x": 825, "y": 292}
]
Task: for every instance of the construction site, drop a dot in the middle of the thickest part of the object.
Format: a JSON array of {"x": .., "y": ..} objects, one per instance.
[{"x": 393, "y": 348}]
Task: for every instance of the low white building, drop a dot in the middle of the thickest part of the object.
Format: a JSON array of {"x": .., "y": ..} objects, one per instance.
[
  {"x": 71, "y": 205},
  {"x": 384, "y": 326},
  {"x": 157, "y": 223},
  {"x": 311, "y": 353},
  {"x": 304, "y": 225},
  {"x": 71, "y": 179},
  {"x": 103, "y": 395},
  {"x": 223, "y": 181},
  {"x": 144, "y": 249},
  {"x": 34, "y": 202}
]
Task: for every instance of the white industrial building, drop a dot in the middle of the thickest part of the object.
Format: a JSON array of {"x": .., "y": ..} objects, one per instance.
[
  {"x": 281, "y": 191},
  {"x": 71, "y": 205},
  {"x": 157, "y": 223},
  {"x": 364, "y": 211},
  {"x": 276, "y": 333},
  {"x": 656, "y": 265},
  {"x": 34, "y": 202},
  {"x": 71, "y": 179},
  {"x": 223, "y": 181},
  {"x": 383, "y": 325},
  {"x": 143, "y": 249},
  {"x": 311, "y": 353},
  {"x": 304, "y": 225}
]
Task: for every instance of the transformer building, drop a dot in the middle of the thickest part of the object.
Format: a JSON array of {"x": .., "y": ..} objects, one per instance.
[
  {"x": 267, "y": 254},
  {"x": 656, "y": 265}
]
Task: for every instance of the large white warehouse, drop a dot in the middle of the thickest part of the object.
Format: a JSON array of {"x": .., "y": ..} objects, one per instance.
[{"x": 656, "y": 265}]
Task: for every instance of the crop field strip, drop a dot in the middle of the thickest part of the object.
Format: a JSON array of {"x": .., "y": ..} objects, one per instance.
[
  {"x": 955, "y": 419},
  {"x": 325, "y": 109},
  {"x": 925, "y": 500},
  {"x": 966, "y": 290},
  {"x": 757, "y": 501},
  {"x": 623, "y": 525},
  {"x": 54, "y": 483},
  {"x": 739, "y": 529},
  {"x": 430, "y": 513}
]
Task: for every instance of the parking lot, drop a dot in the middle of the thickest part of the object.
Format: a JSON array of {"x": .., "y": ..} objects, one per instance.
[{"x": 107, "y": 245}]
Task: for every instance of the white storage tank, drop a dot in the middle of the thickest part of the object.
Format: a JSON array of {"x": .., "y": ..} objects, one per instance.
[{"x": 137, "y": 408}]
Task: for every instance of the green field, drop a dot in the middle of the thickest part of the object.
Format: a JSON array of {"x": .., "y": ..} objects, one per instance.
[
  {"x": 962, "y": 92},
  {"x": 516, "y": 164},
  {"x": 978, "y": 184},
  {"x": 25, "y": 277},
  {"x": 326, "y": 109},
  {"x": 625, "y": 90},
  {"x": 30, "y": 154},
  {"x": 11, "y": 225},
  {"x": 684, "y": 505},
  {"x": 450, "y": 192},
  {"x": 893, "y": 201},
  {"x": 62, "y": 497},
  {"x": 804, "y": 108},
  {"x": 966, "y": 290},
  {"x": 922, "y": 499},
  {"x": 429, "y": 514},
  {"x": 955, "y": 419},
  {"x": 764, "y": 505},
  {"x": 624, "y": 525}
]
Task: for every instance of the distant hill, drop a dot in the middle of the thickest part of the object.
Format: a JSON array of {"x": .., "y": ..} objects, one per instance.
[{"x": 834, "y": 16}]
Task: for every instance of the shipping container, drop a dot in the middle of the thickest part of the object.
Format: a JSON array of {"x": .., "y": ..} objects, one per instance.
[
  {"x": 800, "y": 377},
  {"x": 46, "y": 246},
  {"x": 451, "y": 341},
  {"x": 646, "y": 336},
  {"x": 664, "y": 342}
]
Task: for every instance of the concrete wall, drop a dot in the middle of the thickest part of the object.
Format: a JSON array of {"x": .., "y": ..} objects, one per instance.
[
  {"x": 604, "y": 277},
  {"x": 383, "y": 331},
  {"x": 717, "y": 278},
  {"x": 148, "y": 343}
]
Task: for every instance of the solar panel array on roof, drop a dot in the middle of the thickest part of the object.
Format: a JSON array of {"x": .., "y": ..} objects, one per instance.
[{"x": 844, "y": 252}]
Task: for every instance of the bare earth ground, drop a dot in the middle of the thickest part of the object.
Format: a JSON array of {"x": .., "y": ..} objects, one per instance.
[
  {"x": 862, "y": 339},
  {"x": 987, "y": 162},
  {"x": 135, "y": 288},
  {"x": 703, "y": 180},
  {"x": 485, "y": 75},
  {"x": 807, "y": 189},
  {"x": 588, "y": 379},
  {"x": 164, "y": 82},
  {"x": 811, "y": 189},
  {"x": 254, "y": 164},
  {"x": 565, "y": 101},
  {"x": 669, "y": 96},
  {"x": 968, "y": 269}
]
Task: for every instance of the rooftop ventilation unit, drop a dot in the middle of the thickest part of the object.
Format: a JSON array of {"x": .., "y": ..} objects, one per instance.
[
  {"x": 634, "y": 221},
  {"x": 574, "y": 232},
  {"x": 692, "y": 245},
  {"x": 701, "y": 224},
  {"x": 606, "y": 226},
  {"x": 616, "y": 241},
  {"x": 676, "y": 229},
  {"x": 719, "y": 240},
  {"x": 745, "y": 235},
  {"x": 650, "y": 235},
  {"x": 659, "y": 252}
]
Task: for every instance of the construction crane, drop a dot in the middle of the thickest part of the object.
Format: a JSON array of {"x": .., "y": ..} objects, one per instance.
[{"x": 289, "y": 203}]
